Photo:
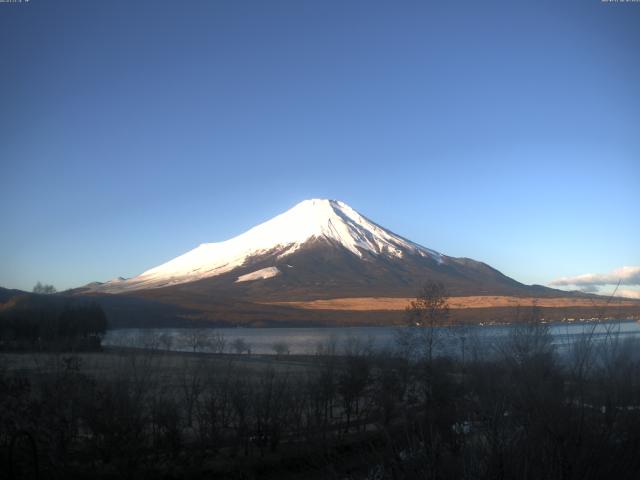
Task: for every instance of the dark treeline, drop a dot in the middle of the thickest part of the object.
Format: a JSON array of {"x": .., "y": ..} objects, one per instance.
[
  {"x": 46, "y": 322},
  {"x": 518, "y": 412}
]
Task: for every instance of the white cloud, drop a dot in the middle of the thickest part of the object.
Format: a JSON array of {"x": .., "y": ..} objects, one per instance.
[
  {"x": 628, "y": 293},
  {"x": 624, "y": 275},
  {"x": 589, "y": 289}
]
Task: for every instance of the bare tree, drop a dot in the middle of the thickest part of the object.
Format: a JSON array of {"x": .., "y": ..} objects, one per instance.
[
  {"x": 353, "y": 380},
  {"x": 358, "y": 347},
  {"x": 280, "y": 348},
  {"x": 217, "y": 342},
  {"x": 327, "y": 348},
  {"x": 166, "y": 340},
  {"x": 240, "y": 346},
  {"x": 214, "y": 412},
  {"x": 197, "y": 339},
  {"x": 192, "y": 386},
  {"x": 528, "y": 339},
  {"x": 428, "y": 312},
  {"x": 44, "y": 289},
  {"x": 148, "y": 340}
]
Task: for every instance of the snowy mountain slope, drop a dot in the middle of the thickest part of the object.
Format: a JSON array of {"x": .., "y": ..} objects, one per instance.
[
  {"x": 322, "y": 269},
  {"x": 308, "y": 221},
  {"x": 318, "y": 250}
]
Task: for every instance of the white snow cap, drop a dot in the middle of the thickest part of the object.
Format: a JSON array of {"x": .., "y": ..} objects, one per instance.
[{"x": 282, "y": 235}]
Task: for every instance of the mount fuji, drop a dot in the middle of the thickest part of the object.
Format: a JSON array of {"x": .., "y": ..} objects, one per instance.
[
  {"x": 321, "y": 263},
  {"x": 316, "y": 250}
]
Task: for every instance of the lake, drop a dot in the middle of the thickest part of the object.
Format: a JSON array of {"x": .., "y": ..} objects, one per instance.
[{"x": 306, "y": 340}]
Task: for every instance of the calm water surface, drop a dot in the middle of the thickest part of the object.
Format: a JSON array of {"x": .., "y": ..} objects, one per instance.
[{"x": 306, "y": 340}]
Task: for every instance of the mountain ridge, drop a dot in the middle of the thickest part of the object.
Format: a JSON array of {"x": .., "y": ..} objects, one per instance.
[{"x": 318, "y": 249}]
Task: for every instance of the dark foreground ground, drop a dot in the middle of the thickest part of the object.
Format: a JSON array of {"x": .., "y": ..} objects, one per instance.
[{"x": 344, "y": 413}]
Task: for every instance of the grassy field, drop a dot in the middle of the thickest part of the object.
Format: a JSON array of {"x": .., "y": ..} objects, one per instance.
[
  {"x": 493, "y": 301},
  {"x": 167, "y": 366}
]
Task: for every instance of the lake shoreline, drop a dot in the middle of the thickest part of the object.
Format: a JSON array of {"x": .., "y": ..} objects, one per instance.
[{"x": 306, "y": 340}]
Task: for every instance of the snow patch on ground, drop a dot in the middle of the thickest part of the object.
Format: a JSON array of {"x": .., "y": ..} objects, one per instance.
[{"x": 261, "y": 274}]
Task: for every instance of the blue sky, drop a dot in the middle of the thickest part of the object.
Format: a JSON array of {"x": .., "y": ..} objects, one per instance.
[{"x": 130, "y": 132}]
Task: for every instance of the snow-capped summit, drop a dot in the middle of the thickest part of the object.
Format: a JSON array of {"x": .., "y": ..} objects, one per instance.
[
  {"x": 318, "y": 250},
  {"x": 311, "y": 220}
]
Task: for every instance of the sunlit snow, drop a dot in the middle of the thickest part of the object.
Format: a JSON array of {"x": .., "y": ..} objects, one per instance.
[
  {"x": 282, "y": 236},
  {"x": 261, "y": 274}
]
